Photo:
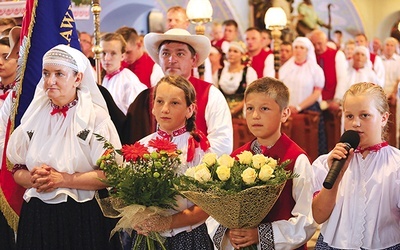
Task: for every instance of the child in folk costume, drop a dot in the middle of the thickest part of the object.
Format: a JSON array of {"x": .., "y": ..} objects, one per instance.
[
  {"x": 123, "y": 84},
  {"x": 289, "y": 224},
  {"x": 174, "y": 109},
  {"x": 362, "y": 209}
]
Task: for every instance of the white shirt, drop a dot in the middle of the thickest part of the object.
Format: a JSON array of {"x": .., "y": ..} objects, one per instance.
[
  {"x": 379, "y": 70},
  {"x": 124, "y": 87},
  {"x": 367, "y": 210},
  {"x": 2, "y": 92},
  {"x": 292, "y": 233},
  {"x": 229, "y": 82},
  {"x": 269, "y": 69},
  {"x": 182, "y": 144},
  {"x": 156, "y": 74},
  {"x": 354, "y": 76},
  {"x": 225, "y": 47},
  {"x": 207, "y": 71},
  {"x": 341, "y": 66},
  {"x": 301, "y": 79},
  {"x": 219, "y": 123},
  {"x": 392, "y": 72},
  {"x": 5, "y": 112}
]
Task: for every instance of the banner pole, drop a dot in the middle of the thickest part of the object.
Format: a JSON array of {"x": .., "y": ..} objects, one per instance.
[{"x": 97, "y": 50}]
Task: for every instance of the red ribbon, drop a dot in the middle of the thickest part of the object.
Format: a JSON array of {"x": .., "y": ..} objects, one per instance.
[
  {"x": 63, "y": 110},
  {"x": 193, "y": 144},
  {"x": 373, "y": 148}
]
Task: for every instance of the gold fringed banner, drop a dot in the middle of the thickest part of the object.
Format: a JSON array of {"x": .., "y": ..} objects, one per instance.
[{"x": 9, "y": 213}]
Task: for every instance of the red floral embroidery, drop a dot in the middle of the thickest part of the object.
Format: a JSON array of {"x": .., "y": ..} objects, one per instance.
[
  {"x": 133, "y": 152},
  {"x": 162, "y": 144}
]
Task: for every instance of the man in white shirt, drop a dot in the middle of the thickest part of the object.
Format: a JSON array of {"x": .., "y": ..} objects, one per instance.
[
  {"x": 391, "y": 62},
  {"x": 333, "y": 62},
  {"x": 262, "y": 61},
  {"x": 377, "y": 64}
]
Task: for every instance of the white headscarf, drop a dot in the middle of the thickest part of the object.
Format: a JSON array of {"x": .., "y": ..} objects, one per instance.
[
  {"x": 364, "y": 50},
  {"x": 87, "y": 88},
  {"x": 304, "y": 41},
  {"x": 65, "y": 143},
  {"x": 239, "y": 46}
]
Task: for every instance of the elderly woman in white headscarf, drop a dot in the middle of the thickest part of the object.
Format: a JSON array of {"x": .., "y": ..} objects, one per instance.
[
  {"x": 303, "y": 76},
  {"x": 54, "y": 152},
  {"x": 305, "y": 80},
  {"x": 235, "y": 77},
  {"x": 359, "y": 70}
]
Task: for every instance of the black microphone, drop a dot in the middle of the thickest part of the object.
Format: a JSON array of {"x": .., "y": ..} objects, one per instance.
[{"x": 351, "y": 138}]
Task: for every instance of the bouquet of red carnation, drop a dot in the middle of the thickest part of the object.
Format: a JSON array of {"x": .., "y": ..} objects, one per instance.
[{"x": 141, "y": 186}]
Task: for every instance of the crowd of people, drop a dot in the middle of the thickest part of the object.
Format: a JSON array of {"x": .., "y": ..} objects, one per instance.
[{"x": 151, "y": 88}]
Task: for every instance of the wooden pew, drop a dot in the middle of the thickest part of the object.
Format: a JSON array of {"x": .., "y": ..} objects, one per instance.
[
  {"x": 301, "y": 128},
  {"x": 305, "y": 132},
  {"x": 332, "y": 127}
]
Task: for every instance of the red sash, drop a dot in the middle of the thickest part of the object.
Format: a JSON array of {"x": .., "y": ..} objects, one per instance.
[{"x": 258, "y": 61}]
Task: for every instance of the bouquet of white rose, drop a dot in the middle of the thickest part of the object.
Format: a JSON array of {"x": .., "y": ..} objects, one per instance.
[{"x": 236, "y": 193}]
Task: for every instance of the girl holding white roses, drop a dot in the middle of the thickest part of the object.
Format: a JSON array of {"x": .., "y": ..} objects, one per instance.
[
  {"x": 174, "y": 109},
  {"x": 289, "y": 224}
]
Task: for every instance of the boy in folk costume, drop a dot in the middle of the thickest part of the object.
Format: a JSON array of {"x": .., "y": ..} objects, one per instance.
[
  {"x": 123, "y": 84},
  {"x": 289, "y": 224}
]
